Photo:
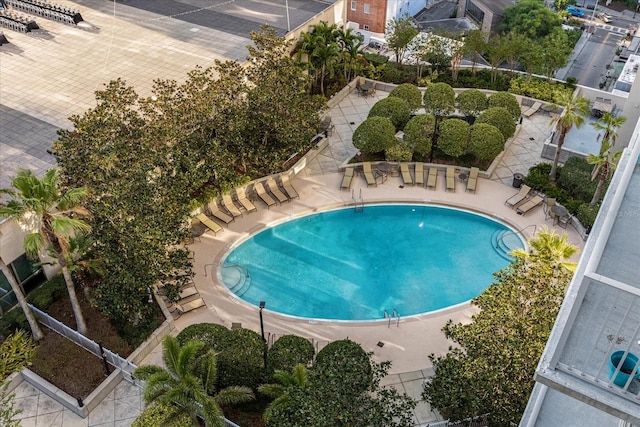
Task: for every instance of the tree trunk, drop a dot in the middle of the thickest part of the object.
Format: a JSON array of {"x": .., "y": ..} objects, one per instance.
[
  {"x": 596, "y": 194},
  {"x": 556, "y": 158},
  {"x": 73, "y": 298},
  {"x": 33, "y": 323}
]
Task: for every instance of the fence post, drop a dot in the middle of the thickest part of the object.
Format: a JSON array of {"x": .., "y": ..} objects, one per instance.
[{"x": 103, "y": 355}]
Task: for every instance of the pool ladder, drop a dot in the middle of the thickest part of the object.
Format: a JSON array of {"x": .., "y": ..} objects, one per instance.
[
  {"x": 359, "y": 203},
  {"x": 394, "y": 315}
]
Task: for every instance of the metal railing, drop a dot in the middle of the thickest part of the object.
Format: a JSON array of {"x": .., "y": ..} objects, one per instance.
[{"x": 515, "y": 233}]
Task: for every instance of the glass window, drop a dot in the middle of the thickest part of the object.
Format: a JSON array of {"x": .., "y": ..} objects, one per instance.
[
  {"x": 353, "y": 5},
  {"x": 367, "y": 8}
]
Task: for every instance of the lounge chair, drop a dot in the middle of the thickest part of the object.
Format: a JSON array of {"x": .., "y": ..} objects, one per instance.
[
  {"x": 368, "y": 174},
  {"x": 432, "y": 180},
  {"x": 227, "y": 202},
  {"x": 347, "y": 179},
  {"x": 420, "y": 174},
  {"x": 213, "y": 226},
  {"x": 191, "y": 305},
  {"x": 451, "y": 179},
  {"x": 534, "y": 108},
  {"x": 472, "y": 181},
  {"x": 406, "y": 175},
  {"x": 529, "y": 204},
  {"x": 244, "y": 201},
  {"x": 275, "y": 190},
  {"x": 519, "y": 197},
  {"x": 288, "y": 188},
  {"x": 262, "y": 193},
  {"x": 215, "y": 211}
]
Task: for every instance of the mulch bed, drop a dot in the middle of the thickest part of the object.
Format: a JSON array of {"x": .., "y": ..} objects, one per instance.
[{"x": 67, "y": 365}]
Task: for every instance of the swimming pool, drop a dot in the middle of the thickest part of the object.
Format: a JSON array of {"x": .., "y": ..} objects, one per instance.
[{"x": 347, "y": 265}]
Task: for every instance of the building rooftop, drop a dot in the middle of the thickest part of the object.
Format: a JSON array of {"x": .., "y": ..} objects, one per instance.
[
  {"x": 627, "y": 76},
  {"x": 496, "y": 6}
]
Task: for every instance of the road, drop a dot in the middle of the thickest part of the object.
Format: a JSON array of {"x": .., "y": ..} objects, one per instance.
[{"x": 589, "y": 67}]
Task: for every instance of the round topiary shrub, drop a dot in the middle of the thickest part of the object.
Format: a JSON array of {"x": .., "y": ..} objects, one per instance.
[
  {"x": 398, "y": 152},
  {"x": 241, "y": 362},
  {"x": 394, "y": 109},
  {"x": 500, "y": 118},
  {"x": 439, "y": 99},
  {"x": 471, "y": 102},
  {"x": 409, "y": 93},
  {"x": 508, "y": 101},
  {"x": 418, "y": 133},
  {"x": 288, "y": 351},
  {"x": 485, "y": 141},
  {"x": 343, "y": 365},
  {"x": 374, "y": 135},
  {"x": 211, "y": 335},
  {"x": 454, "y": 134}
]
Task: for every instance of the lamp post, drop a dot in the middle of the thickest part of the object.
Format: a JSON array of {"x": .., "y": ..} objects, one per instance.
[
  {"x": 264, "y": 352},
  {"x": 286, "y": 2}
]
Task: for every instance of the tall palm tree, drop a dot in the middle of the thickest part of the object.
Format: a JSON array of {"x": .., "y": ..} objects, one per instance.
[
  {"x": 604, "y": 165},
  {"x": 350, "y": 45},
  {"x": 551, "y": 246},
  {"x": 41, "y": 205},
  {"x": 298, "y": 377},
  {"x": 183, "y": 384},
  {"x": 576, "y": 108},
  {"x": 609, "y": 124},
  {"x": 36, "y": 332}
]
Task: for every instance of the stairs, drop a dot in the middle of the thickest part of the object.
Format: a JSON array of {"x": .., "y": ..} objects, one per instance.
[
  {"x": 504, "y": 241},
  {"x": 236, "y": 277}
]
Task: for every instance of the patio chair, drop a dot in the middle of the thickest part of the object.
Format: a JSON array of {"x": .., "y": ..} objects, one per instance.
[
  {"x": 451, "y": 179},
  {"x": 432, "y": 180},
  {"x": 227, "y": 202},
  {"x": 549, "y": 202},
  {"x": 262, "y": 193},
  {"x": 244, "y": 201},
  {"x": 529, "y": 204},
  {"x": 189, "y": 306},
  {"x": 275, "y": 190},
  {"x": 419, "y": 174},
  {"x": 288, "y": 188},
  {"x": 565, "y": 220},
  {"x": 213, "y": 226},
  {"x": 519, "y": 197},
  {"x": 472, "y": 181},
  {"x": 368, "y": 174},
  {"x": 215, "y": 211},
  {"x": 406, "y": 175},
  {"x": 347, "y": 179},
  {"x": 534, "y": 108}
]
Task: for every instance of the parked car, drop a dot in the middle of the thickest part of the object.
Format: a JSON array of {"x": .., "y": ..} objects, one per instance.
[
  {"x": 574, "y": 11},
  {"x": 604, "y": 17}
]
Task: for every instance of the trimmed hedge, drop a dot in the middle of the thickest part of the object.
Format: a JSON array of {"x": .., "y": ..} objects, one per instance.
[
  {"x": 398, "y": 152},
  {"x": 211, "y": 335},
  {"x": 288, "y": 351},
  {"x": 343, "y": 364},
  {"x": 374, "y": 135},
  {"x": 472, "y": 102},
  {"x": 156, "y": 416},
  {"x": 508, "y": 101},
  {"x": 500, "y": 118},
  {"x": 241, "y": 362},
  {"x": 486, "y": 141},
  {"x": 393, "y": 108},
  {"x": 410, "y": 94},
  {"x": 419, "y": 131},
  {"x": 454, "y": 134}
]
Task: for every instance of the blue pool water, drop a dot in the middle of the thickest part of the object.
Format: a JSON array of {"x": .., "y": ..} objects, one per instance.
[{"x": 345, "y": 265}]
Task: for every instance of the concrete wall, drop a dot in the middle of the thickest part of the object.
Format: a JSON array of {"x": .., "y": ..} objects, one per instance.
[
  {"x": 334, "y": 14},
  {"x": 376, "y": 19}
]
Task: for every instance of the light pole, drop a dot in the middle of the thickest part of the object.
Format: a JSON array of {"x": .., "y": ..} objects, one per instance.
[
  {"x": 286, "y": 2},
  {"x": 264, "y": 351},
  {"x": 593, "y": 14}
]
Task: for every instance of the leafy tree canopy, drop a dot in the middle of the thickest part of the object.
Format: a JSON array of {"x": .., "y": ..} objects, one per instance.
[
  {"x": 409, "y": 93},
  {"x": 394, "y": 108},
  {"x": 400, "y": 32},
  {"x": 508, "y": 101},
  {"x": 500, "y": 118},
  {"x": 374, "y": 135},
  {"x": 439, "y": 99},
  {"x": 418, "y": 133},
  {"x": 472, "y": 102},
  {"x": 531, "y": 18},
  {"x": 454, "y": 134},
  {"x": 486, "y": 141}
]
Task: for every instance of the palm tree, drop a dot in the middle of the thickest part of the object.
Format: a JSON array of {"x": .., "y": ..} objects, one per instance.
[
  {"x": 551, "y": 246},
  {"x": 604, "y": 165},
  {"x": 298, "y": 377},
  {"x": 575, "y": 110},
  {"x": 609, "y": 124},
  {"x": 36, "y": 332},
  {"x": 41, "y": 205},
  {"x": 183, "y": 384}
]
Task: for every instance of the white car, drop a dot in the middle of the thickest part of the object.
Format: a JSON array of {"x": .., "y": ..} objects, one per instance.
[{"x": 604, "y": 17}]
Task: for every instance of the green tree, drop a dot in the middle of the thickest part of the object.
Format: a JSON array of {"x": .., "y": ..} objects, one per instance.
[
  {"x": 399, "y": 33},
  {"x": 474, "y": 45},
  {"x": 41, "y": 204},
  {"x": 485, "y": 141},
  {"x": 532, "y": 59},
  {"x": 576, "y": 108},
  {"x": 374, "y": 135},
  {"x": 350, "y": 54},
  {"x": 36, "y": 332},
  {"x": 530, "y": 18},
  {"x": 418, "y": 133},
  {"x": 514, "y": 46},
  {"x": 183, "y": 384},
  {"x": 393, "y": 108},
  {"x": 492, "y": 370},
  {"x": 298, "y": 377},
  {"x": 409, "y": 93},
  {"x": 604, "y": 165},
  {"x": 496, "y": 54},
  {"x": 439, "y": 100},
  {"x": 454, "y": 134},
  {"x": 399, "y": 152},
  {"x": 556, "y": 50},
  {"x": 499, "y": 117},
  {"x": 322, "y": 49},
  {"x": 609, "y": 124},
  {"x": 508, "y": 101},
  {"x": 289, "y": 351},
  {"x": 471, "y": 102}
]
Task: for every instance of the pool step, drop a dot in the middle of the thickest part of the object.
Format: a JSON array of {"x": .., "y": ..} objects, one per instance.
[
  {"x": 505, "y": 241},
  {"x": 236, "y": 277}
]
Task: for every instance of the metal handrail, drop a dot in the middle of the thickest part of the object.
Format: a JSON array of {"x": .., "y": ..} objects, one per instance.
[
  {"x": 515, "y": 233},
  {"x": 397, "y": 315},
  {"x": 387, "y": 316}
]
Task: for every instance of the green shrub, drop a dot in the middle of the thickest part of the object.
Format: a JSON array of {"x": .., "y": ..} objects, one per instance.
[
  {"x": 454, "y": 134},
  {"x": 136, "y": 334},
  {"x": 410, "y": 94},
  {"x": 374, "y": 135},
  {"x": 398, "y": 152},
  {"x": 343, "y": 364},
  {"x": 241, "y": 362},
  {"x": 288, "y": 351},
  {"x": 537, "y": 88},
  {"x": 394, "y": 109},
  {"x": 587, "y": 214},
  {"x": 375, "y": 59},
  {"x": 211, "y": 335},
  {"x": 418, "y": 133},
  {"x": 12, "y": 321},
  {"x": 500, "y": 118},
  {"x": 15, "y": 352},
  {"x": 472, "y": 102},
  {"x": 508, "y": 101},
  {"x": 485, "y": 141},
  {"x": 156, "y": 416},
  {"x": 575, "y": 179}
]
